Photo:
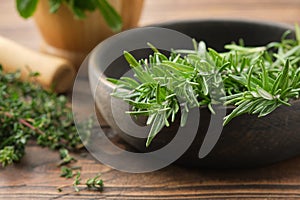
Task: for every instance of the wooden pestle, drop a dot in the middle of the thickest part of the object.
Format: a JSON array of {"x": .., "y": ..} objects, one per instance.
[{"x": 54, "y": 72}]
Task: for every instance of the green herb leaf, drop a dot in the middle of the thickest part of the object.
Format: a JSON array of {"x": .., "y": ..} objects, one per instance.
[
  {"x": 95, "y": 183},
  {"x": 131, "y": 60},
  {"x": 157, "y": 125},
  {"x": 297, "y": 32},
  {"x": 78, "y": 12},
  {"x": 77, "y": 181},
  {"x": 8, "y": 155},
  {"x": 66, "y": 172},
  {"x": 55, "y": 5},
  {"x": 264, "y": 94},
  {"x": 112, "y": 18},
  {"x": 65, "y": 157},
  {"x": 26, "y": 8}
]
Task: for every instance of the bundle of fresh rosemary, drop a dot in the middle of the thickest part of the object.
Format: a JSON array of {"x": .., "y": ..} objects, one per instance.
[{"x": 256, "y": 80}]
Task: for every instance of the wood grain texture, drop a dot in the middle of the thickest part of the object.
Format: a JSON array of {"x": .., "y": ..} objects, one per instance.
[{"x": 37, "y": 176}]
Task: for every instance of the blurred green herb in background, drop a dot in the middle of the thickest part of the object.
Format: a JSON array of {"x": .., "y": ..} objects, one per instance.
[{"x": 26, "y": 9}]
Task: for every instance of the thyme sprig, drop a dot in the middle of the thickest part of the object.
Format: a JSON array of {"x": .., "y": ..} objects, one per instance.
[
  {"x": 255, "y": 80},
  {"x": 68, "y": 171},
  {"x": 94, "y": 183},
  {"x": 29, "y": 112}
]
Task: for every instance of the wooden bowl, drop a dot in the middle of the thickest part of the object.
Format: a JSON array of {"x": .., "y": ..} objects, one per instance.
[{"x": 247, "y": 141}]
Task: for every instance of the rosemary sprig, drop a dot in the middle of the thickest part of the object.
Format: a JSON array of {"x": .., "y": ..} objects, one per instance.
[{"x": 256, "y": 80}]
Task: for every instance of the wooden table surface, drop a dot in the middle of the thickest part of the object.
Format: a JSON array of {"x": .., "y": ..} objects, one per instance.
[{"x": 36, "y": 176}]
